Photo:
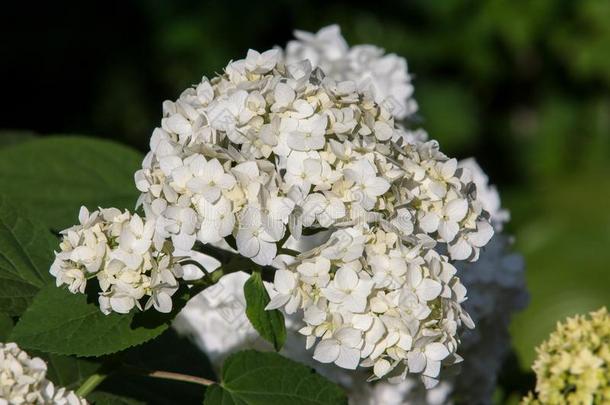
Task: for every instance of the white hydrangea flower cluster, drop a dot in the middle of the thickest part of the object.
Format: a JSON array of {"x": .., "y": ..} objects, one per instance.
[
  {"x": 496, "y": 290},
  {"x": 385, "y": 75},
  {"x": 23, "y": 381},
  {"x": 268, "y": 150},
  {"x": 495, "y": 283},
  {"x": 117, "y": 249},
  {"x": 266, "y": 145},
  {"x": 374, "y": 302}
]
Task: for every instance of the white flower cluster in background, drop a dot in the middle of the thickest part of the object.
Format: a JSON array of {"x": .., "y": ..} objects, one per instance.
[
  {"x": 23, "y": 381},
  {"x": 385, "y": 75},
  {"x": 496, "y": 291},
  {"x": 117, "y": 249},
  {"x": 486, "y": 193},
  {"x": 216, "y": 320},
  {"x": 269, "y": 150}
]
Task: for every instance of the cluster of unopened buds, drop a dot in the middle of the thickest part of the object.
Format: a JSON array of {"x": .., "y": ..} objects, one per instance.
[{"x": 274, "y": 151}]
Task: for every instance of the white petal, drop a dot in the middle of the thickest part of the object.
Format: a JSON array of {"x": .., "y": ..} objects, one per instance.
[
  {"x": 456, "y": 209},
  {"x": 348, "y": 358},
  {"x": 284, "y": 281},
  {"x": 183, "y": 241},
  {"x": 163, "y": 302},
  {"x": 284, "y": 94},
  {"x": 436, "y": 351},
  {"x": 429, "y": 223},
  {"x": 381, "y": 367},
  {"x": 428, "y": 289},
  {"x": 349, "y": 337},
  {"x": 460, "y": 249},
  {"x": 483, "y": 234},
  {"x": 176, "y": 123},
  {"x": 247, "y": 245},
  {"x": 278, "y": 301},
  {"x": 432, "y": 369},
  {"x": 266, "y": 253},
  {"x": 447, "y": 230},
  {"x": 346, "y": 278},
  {"x": 327, "y": 351},
  {"x": 122, "y": 305},
  {"x": 416, "y": 361},
  {"x": 377, "y": 186}
]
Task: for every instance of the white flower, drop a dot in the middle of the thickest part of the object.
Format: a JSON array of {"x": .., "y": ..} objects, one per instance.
[
  {"x": 348, "y": 290},
  {"x": 486, "y": 193},
  {"x": 130, "y": 265},
  {"x": 209, "y": 179},
  {"x": 388, "y": 269},
  {"x": 344, "y": 244},
  {"x": 303, "y": 170},
  {"x": 446, "y": 222},
  {"x": 343, "y": 348},
  {"x": 271, "y": 151},
  {"x": 309, "y": 134},
  {"x": 163, "y": 284},
  {"x": 427, "y": 361},
  {"x": 323, "y": 48},
  {"x": 285, "y": 283},
  {"x": 367, "y": 186},
  {"x": 384, "y": 75},
  {"x": 256, "y": 236},
  {"x": 467, "y": 244},
  {"x": 217, "y": 220},
  {"x": 262, "y": 62},
  {"x": 23, "y": 380}
]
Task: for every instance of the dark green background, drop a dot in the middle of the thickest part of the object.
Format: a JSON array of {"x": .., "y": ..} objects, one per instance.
[{"x": 523, "y": 86}]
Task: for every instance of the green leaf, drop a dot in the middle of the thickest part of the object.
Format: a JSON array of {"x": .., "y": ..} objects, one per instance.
[
  {"x": 104, "y": 398},
  {"x": 67, "y": 371},
  {"x": 53, "y": 176},
  {"x": 72, "y": 324},
  {"x": 13, "y": 137},
  {"x": 169, "y": 352},
  {"x": 270, "y": 324},
  {"x": 6, "y": 326},
  {"x": 26, "y": 252},
  {"x": 255, "y": 378}
]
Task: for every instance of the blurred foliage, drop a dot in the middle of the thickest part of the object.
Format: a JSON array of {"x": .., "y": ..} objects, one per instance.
[{"x": 524, "y": 86}]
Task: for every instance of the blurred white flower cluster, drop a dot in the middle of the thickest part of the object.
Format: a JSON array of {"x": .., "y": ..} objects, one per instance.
[
  {"x": 372, "y": 265},
  {"x": 23, "y": 381},
  {"x": 270, "y": 150},
  {"x": 373, "y": 70},
  {"x": 116, "y": 248}
]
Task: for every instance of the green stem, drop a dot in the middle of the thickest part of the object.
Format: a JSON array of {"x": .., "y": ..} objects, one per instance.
[{"x": 90, "y": 384}]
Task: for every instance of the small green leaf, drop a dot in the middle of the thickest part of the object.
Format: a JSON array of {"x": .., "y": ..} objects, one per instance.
[
  {"x": 104, "y": 398},
  {"x": 270, "y": 324},
  {"x": 53, "y": 176},
  {"x": 255, "y": 378},
  {"x": 72, "y": 324},
  {"x": 26, "y": 252}
]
